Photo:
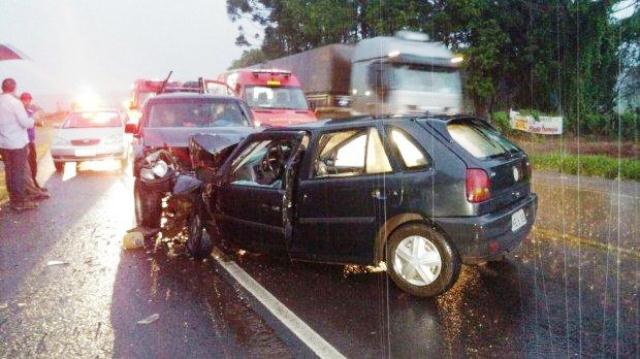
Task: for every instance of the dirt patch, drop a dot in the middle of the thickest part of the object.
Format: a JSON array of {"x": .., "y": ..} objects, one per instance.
[{"x": 571, "y": 145}]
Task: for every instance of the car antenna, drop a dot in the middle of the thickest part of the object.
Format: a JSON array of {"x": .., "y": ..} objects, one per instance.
[{"x": 164, "y": 83}]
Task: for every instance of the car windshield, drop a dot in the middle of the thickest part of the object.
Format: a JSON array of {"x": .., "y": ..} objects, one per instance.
[
  {"x": 413, "y": 77},
  {"x": 480, "y": 139},
  {"x": 93, "y": 120},
  {"x": 197, "y": 113},
  {"x": 276, "y": 97}
]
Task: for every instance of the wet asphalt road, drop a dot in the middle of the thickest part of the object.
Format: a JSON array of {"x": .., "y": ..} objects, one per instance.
[{"x": 559, "y": 295}]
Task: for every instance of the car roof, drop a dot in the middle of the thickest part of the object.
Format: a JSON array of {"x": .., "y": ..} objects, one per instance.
[
  {"x": 365, "y": 121},
  {"x": 189, "y": 95}
]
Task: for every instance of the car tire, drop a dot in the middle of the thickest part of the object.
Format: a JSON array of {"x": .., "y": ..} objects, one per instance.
[
  {"x": 199, "y": 242},
  {"x": 59, "y": 166},
  {"x": 412, "y": 243},
  {"x": 148, "y": 206}
]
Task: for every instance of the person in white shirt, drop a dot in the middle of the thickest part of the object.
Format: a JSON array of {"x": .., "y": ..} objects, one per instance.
[{"x": 14, "y": 139}]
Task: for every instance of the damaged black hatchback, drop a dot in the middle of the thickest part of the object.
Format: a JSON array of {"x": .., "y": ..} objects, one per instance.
[{"x": 422, "y": 195}]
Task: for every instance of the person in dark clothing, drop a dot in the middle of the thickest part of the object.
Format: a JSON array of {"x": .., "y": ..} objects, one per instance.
[
  {"x": 14, "y": 122},
  {"x": 26, "y": 98}
]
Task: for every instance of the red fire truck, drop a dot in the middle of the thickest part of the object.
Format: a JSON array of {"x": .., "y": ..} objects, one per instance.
[
  {"x": 142, "y": 89},
  {"x": 275, "y": 96}
]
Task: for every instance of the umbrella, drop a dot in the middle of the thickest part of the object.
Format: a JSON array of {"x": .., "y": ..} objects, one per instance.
[{"x": 8, "y": 52}]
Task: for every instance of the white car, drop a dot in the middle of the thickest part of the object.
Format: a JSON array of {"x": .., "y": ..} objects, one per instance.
[{"x": 90, "y": 136}]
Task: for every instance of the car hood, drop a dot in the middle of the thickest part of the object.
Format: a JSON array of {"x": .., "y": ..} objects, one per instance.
[
  {"x": 210, "y": 150},
  {"x": 180, "y": 137}
]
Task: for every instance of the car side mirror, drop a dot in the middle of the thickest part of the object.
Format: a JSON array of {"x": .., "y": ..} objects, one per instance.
[{"x": 131, "y": 128}]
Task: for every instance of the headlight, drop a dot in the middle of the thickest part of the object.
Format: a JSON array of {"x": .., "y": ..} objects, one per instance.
[
  {"x": 160, "y": 168},
  {"x": 147, "y": 173},
  {"x": 59, "y": 141}
]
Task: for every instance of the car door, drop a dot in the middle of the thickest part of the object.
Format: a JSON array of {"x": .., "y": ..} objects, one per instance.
[
  {"x": 341, "y": 202},
  {"x": 253, "y": 207}
]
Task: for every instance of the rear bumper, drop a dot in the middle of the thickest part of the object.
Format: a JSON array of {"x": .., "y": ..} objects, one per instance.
[{"x": 487, "y": 237}]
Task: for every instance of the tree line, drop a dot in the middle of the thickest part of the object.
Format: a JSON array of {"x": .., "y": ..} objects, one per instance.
[{"x": 554, "y": 56}]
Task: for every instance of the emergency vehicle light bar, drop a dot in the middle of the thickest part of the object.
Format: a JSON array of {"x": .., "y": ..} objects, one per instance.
[{"x": 271, "y": 72}]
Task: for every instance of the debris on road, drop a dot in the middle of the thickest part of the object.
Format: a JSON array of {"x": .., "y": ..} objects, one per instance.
[
  {"x": 56, "y": 263},
  {"x": 133, "y": 240},
  {"x": 4, "y": 305},
  {"x": 150, "y": 319},
  {"x": 20, "y": 305}
]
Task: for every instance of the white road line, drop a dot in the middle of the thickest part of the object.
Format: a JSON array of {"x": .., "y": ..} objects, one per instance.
[{"x": 297, "y": 326}]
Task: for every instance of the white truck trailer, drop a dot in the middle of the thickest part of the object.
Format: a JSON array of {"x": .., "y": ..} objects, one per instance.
[{"x": 383, "y": 75}]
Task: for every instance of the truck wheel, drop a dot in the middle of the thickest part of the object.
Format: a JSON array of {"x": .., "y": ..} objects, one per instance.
[
  {"x": 148, "y": 206},
  {"x": 421, "y": 261},
  {"x": 59, "y": 166},
  {"x": 199, "y": 242}
]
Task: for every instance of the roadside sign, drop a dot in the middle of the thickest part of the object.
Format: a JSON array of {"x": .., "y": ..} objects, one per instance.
[{"x": 544, "y": 125}]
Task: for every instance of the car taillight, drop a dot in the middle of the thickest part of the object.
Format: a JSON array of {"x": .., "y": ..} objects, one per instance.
[{"x": 478, "y": 185}]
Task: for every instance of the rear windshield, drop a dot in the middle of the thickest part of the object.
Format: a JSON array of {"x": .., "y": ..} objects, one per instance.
[
  {"x": 93, "y": 120},
  {"x": 198, "y": 113},
  {"x": 480, "y": 139}
]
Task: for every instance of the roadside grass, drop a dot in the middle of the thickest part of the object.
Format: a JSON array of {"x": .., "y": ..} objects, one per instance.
[
  {"x": 588, "y": 165},
  {"x": 43, "y": 140}
]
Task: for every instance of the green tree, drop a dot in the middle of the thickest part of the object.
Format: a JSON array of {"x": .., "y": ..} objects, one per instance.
[
  {"x": 560, "y": 56},
  {"x": 249, "y": 58}
]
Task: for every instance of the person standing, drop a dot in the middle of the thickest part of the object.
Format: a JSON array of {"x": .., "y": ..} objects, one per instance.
[
  {"x": 26, "y": 98},
  {"x": 14, "y": 140}
]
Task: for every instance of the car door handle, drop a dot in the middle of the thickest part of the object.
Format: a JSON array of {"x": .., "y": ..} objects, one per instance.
[{"x": 377, "y": 194}]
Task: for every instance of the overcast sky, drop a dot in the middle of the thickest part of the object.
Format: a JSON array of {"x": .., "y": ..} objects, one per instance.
[{"x": 106, "y": 44}]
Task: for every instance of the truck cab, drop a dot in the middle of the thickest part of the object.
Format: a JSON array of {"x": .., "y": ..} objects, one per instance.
[
  {"x": 143, "y": 89},
  {"x": 405, "y": 73},
  {"x": 276, "y": 97},
  {"x": 385, "y": 75}
]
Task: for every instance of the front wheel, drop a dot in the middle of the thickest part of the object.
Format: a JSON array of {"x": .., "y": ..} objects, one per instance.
[
  {"x": 199, "y": 242},
  {"x": 421, "y": 261},
  {"x": 148, "y": 206}
]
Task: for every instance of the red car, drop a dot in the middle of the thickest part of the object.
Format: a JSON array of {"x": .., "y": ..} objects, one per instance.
[{"x": 275, "y": 96}]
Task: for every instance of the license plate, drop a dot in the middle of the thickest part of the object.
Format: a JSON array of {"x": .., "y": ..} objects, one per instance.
[
  {"x": 518, "y": 220},
  {"x": 85, "y": 152}
]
